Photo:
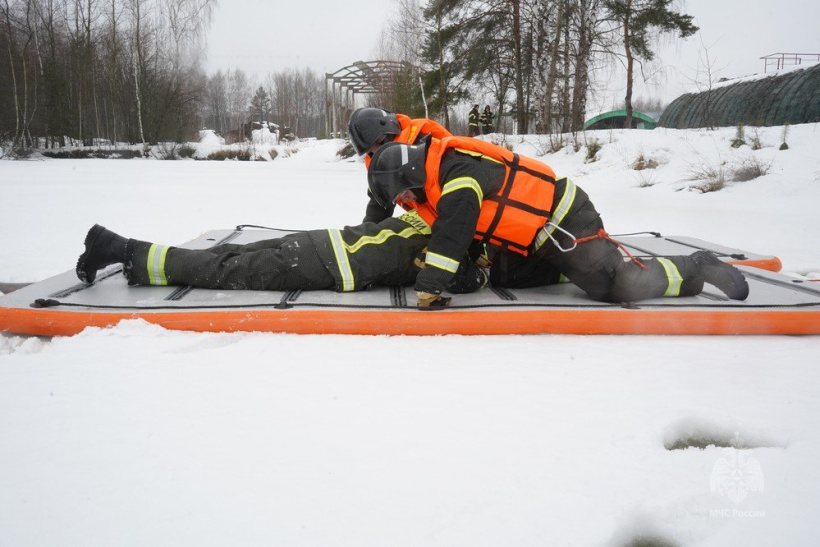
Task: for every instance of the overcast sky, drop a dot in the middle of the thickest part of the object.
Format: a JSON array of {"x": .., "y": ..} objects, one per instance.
[{"x": 262, "y": 36}]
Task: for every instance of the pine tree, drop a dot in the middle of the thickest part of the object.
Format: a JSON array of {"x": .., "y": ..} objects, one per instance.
[
  {"x": 639, "y": 20},
  {"x": 260, "y": 105}
]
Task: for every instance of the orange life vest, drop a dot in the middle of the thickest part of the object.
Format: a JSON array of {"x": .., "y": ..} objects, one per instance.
[{"x": 521, "y": 207}]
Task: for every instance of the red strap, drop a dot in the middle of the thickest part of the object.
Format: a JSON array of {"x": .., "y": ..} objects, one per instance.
[{"x": 601, "y": 234}]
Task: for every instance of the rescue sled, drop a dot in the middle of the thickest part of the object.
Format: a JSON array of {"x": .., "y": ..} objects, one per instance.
[{"x": 777, "y": 304}]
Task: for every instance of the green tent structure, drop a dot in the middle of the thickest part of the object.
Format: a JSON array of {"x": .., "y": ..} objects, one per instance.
[
  {"x": 793, "y": 97},
  {"x": 616, "y": 119}
]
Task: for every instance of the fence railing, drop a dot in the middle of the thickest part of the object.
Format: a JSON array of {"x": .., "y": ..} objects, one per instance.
[{"x": 781, "y": 60}]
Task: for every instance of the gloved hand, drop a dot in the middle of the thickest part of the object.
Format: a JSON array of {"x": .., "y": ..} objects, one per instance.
[{"x": 429, "y": 301}]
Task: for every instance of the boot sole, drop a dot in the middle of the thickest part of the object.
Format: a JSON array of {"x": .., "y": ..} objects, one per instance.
[
  {"x": 736, "y": 287},
  {"x": 90, "y": 239}
]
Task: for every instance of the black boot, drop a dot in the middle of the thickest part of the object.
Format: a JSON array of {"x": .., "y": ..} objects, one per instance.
[
  {"x": 724, "y": 276},
  {"x": 102, "y": 248}
]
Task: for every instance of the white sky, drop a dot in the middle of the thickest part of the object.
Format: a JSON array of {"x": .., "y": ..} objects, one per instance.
[
  {"x": 262, "y": 36},
  {"x": 738, "y": 34}
]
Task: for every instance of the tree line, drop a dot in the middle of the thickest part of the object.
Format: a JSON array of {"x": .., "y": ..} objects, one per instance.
[
  {"x": 118, "y": 70},
  {"x": 90, "y": 72},
  {"x": 107, "y": 71},
  {"x": 293, "y": 99},
  {"x": 535, "y": 59}
]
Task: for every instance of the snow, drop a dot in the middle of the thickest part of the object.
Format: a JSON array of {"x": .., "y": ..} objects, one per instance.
[{"x": 136, "y": 435}]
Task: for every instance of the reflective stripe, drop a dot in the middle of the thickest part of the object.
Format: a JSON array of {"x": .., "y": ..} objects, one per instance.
[
  {"x": 413, "y": 218},
  {"x": 673, "y": 275},
  {"x": 379, "y": 238},
  {"x": 156, "y": 264},
  {"x": 479, "y": 155},
  {"x": 441, "y": 262},
  {"x": 461, "y": 183},
  {"x": 560, "y": 212},
  {"x": 340, "y": 251}
]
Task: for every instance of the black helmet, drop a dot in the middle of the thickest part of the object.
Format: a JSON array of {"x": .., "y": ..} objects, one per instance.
[
  {"x": 396, "y": 168},
  {"x": 371, "y": 126}
]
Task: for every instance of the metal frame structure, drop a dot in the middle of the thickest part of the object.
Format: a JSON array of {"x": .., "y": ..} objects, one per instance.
[
  {"x": 364, "y": 77},
  {"x": 782, "y": 60}
]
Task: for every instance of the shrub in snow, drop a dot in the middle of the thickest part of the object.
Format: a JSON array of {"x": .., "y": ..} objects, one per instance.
[
  {"x": 221, "y": 155},
  {"x": 78, "y": 153},
  {"x": 186, "y": 151},
  {"x": 756, "y": 144},
  {"x": 167, "y": 150},
  {"x": 593, "y": 147},
  {"x": 346, "y": 151},
  {"x": 642, "y": 163},
  {"x": 646, "y": 179},
  {"x": 739, "y": 139},
  {"x": 712, "y": 178},
  {"x": 750, "y": 168},
  {"x": 785, "y": 146},
  {"x": 20, "y": 153}
]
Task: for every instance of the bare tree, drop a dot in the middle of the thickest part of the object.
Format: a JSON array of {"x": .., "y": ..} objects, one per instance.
[
  {"x": 706, "y": 76},
  {"x": 638, "y": 20}
]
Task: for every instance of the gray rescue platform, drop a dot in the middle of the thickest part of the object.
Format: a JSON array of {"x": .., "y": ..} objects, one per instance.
[{"x": 777, "y": 304}]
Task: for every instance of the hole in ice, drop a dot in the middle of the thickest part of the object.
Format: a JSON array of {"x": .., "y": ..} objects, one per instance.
[
  {"x": 697, "y": 433},
  {"x": 650, "y": 541}
]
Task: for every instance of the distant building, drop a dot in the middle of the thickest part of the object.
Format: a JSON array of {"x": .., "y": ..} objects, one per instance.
[
  {"x": 616, "y": 120},
  {"x": 791, "y": 97}
]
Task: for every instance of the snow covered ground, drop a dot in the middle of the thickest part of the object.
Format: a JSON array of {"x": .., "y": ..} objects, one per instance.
[{"x": 136, "y": 435}]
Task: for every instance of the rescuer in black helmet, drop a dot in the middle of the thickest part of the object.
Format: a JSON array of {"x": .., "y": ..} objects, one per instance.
[
  {"x": 400, "y": 174},
  {"x": 370, "y": 127}
]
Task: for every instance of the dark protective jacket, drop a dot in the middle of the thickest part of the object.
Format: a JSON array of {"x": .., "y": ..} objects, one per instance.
[
  {"x": 371, "y": 253},
  {"x": 473, "y": 119},
  {"x": 487, "y": 122},
  {"x": 482, "y": 192}
]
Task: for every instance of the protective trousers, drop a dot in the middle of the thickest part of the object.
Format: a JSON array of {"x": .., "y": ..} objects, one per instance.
[
  {"x": 599, "y": 268},
  {"x": 280, "y": 264}
]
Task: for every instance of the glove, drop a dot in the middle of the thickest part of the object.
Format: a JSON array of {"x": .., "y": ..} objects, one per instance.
[
  {"x": 429, "y": 301},
  {"x": 420, "y": 258}
]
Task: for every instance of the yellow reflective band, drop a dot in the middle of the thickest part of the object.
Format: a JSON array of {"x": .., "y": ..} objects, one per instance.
[
  {"x": 379, "y": 238},
  {"x": 339, "y": 251},
  {"x": 156, "y": 264},
  {"x": 462, "y": 183},
  {"x": 414, "y": 219},
  {"x": 441, "y": 262},
  {"x": 560, "y": 212},
  {"x": 672, "y": 273},
  {"x": 478, "y": 155},
  {"x": 413, "y": 131}
]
